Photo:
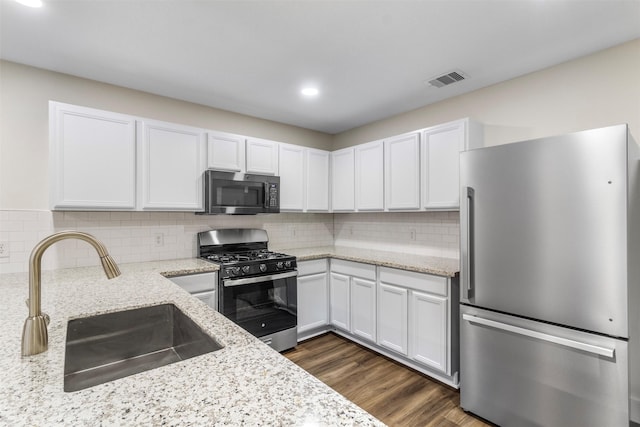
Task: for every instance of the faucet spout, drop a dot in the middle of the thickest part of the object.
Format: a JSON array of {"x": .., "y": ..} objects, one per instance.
[{"x": 35, "y": 338}]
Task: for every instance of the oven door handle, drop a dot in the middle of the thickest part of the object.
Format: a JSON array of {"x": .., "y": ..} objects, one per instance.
[{"x": 258, "y": 279}]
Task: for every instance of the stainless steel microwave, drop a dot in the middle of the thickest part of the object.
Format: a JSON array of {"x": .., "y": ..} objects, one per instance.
[{"x": 240, "y": 193}]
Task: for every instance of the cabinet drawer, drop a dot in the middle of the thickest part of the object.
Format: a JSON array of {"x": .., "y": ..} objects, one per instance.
[
  {"x": 306, "y": 268},
  {"x": 196, "y": 283},
  {"x": 350, "y": 268},
  {"x": 418, "y": 281}
]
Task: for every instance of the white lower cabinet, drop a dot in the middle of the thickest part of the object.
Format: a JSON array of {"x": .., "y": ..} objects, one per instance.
[
  {"x": 313, "y": 298},
  {"x": 428, "y": 330},
  {"x": 340, "y": 297},
  {"x": 363, "y": 308},
  {"x": 353, "y": 298},
  {"x": 393, "y": 318}
]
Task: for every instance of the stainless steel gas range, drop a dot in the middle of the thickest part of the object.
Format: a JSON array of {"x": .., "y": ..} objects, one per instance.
[{"x": 257, "y": 288}]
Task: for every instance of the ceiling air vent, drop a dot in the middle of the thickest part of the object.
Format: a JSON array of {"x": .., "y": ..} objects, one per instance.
[{"x": 447, "y": 79}]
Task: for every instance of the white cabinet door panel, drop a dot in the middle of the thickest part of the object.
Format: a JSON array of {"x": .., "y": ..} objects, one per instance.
[
  {"x": 292, "y": 184},
  {"x": 402, "y": 172},
  {"x": 392, "y": 318},
  {"x": 340, "y": 300},
  {"x": 172, "y": 166},
  {"x": 262, "y": 156},
  {"x": 363, "y": 308},
  {"x": 428, "y": 330},
  {"x": 369, "y": 176},
  {"x": 312, "y": 302},
  {"x": 226, "y": 152},
  {"x": 92, "y": 158},
  {"x": 441, "y": 147},
  {"x": 342, "y": 180},
  {"x": 317, "y": 180}
]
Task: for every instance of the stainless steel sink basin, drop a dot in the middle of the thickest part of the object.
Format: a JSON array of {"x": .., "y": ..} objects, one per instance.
[{"x": 109, "y": 346}]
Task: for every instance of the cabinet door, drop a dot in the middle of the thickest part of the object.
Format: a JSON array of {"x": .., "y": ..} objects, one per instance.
[
  {"x": 262, "y": 156},
  {"x": 363, "y": 308},
  {"x": 392, "y": 318},
  {"x": 441, "y": 147},
  {"x": 369, "y": 176},
  {"x": 172, "y": 166},
  {"x": 317, "y": 180},
  {"x": 339, "y": 297},
  {"x": 402, "y": 172},
  {"x": 226, "y": 152},
  {"x": 342, "y": 180},
  {"x": 292, "y": 176},
  {"x": 92, "y": 158},
  {"x": 428, "y": 330},
  {"x": 312, "y": 302}
]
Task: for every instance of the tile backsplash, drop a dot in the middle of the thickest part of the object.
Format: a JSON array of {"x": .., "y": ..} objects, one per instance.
[{"x": 148, "y": 236}]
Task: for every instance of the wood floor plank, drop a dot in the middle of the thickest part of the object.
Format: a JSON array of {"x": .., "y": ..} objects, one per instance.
[{"x": 393, "y": 393}]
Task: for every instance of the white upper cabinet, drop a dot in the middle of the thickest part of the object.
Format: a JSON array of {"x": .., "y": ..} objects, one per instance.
[
  {"x": 342, "y": 180},
  {"x": 369, "y": 176},
  {"x": 441, "y": 147},
  {"x": 92, "y": 159},
  {"x": 292, "y": 177},
  {"x": 172, "y": 163},
  {"x": 317, "y": 180},
  {"x": 262, "y": 156},
  {"x": 402, "y": 172},
  {"x": 226, "y": 152}
]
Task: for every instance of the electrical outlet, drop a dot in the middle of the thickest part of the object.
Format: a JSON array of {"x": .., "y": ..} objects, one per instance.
[
  {"x": 4, "y": 249},
  {"x": 351, "y": 230},
  {"x": 158, "y": 239},
  {"x": 412, "y": 234}
]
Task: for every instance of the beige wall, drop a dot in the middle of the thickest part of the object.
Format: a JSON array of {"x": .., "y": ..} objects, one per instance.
[
  {"x": 597, "y": 90},
  {"x": 24, "y": 95}
]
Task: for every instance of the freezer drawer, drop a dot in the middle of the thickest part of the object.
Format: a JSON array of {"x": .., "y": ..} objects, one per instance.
[{"x": 517, "y": 372}]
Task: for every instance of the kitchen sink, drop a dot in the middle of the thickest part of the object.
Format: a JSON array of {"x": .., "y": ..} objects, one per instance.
[{"x": 109, "y": 346}]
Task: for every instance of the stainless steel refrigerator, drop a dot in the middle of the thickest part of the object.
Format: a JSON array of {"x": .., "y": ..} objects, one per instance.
[{"x": 550, "y": 256}]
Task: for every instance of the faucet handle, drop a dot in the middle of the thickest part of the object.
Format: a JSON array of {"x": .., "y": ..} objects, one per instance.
[{"x": 47, "y": 318}]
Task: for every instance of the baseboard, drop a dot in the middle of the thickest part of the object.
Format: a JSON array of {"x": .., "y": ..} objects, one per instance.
[{"x": 634, "y": 410}]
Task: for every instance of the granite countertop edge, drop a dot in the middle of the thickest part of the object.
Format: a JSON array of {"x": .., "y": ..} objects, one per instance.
[
  {"x": 447, "y": 267},
  {"x": 244, "y": 383}
]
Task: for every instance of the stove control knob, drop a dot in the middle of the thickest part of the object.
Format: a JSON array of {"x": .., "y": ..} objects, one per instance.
[
  {"x": 245, "y": 269},
  {"x": 279, "y": 265},
  {"x": 287, "y": 264},
  {"x": 263, "y": 268},
  {"x": 233, "y": 271}
]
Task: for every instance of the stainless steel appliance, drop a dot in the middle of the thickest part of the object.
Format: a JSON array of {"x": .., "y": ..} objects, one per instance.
[
  {"x": 257, "y": 288},
  {"x": 240, "y": 193},
  {"x": 550, "y": 249}
]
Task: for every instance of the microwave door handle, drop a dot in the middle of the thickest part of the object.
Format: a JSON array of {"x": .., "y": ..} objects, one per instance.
[{"x": 266, "y": 195}]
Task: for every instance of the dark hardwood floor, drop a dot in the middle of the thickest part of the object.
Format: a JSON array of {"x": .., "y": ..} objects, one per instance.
[{"x": 393, "y": 393}]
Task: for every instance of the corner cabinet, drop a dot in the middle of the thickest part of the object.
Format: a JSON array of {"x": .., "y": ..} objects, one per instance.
[
  {"x": 313, "y": 298},
  {"x": 353, "y": 298},
  {"x": 172, "y": 163},
  {"x": 343, "y": 180},
  {"x": 92, "y": 159}
]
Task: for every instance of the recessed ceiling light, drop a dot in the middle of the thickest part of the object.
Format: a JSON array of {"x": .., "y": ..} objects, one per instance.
[
  {"x": 310, "y": 91},
  {"x": 31, "y": 3}
]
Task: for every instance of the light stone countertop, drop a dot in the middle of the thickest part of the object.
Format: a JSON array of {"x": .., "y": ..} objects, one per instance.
[
  {"x": 447, "y": 267},
  {"x": 244, "y": 384}
]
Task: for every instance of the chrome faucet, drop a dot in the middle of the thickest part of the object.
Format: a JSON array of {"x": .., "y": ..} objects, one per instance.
[{"x": 35, "y": 338}]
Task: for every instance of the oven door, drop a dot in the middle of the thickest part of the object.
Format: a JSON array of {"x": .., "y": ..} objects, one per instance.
[{"x": 262, "y": 305}]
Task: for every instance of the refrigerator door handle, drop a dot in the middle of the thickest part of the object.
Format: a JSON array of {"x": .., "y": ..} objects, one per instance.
[
  {"x": 590, "y": 348},
  {"x": 468, "y": 257}
]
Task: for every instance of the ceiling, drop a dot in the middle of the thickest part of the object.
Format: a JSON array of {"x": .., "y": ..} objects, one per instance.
[{"x": 369, "y": 59}]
